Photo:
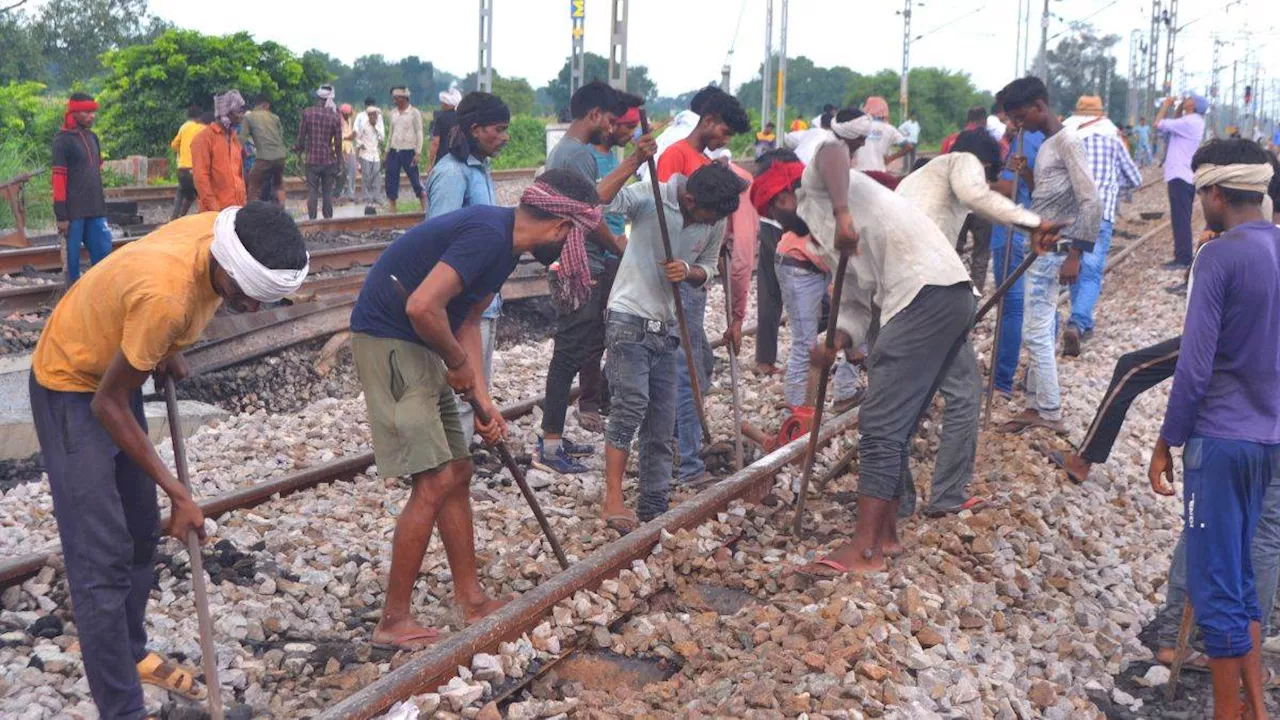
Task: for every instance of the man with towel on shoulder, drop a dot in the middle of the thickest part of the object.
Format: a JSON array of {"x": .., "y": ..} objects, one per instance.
[{"x": 113, "y": 329}]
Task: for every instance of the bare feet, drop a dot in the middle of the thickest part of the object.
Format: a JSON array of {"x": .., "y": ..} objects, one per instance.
[
  {"x": 892, "y": 548},
  {"x": 478, "y": 611},
  {"x": 765, "y": 369},
  {"x": 406, "y": 635}
]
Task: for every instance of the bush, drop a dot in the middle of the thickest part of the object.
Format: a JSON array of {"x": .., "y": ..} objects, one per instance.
[
  {"x": 528, "y": 145},
  {"x": 19, "y": 155}
]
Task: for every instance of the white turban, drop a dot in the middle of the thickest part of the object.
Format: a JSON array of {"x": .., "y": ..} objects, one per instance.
[
  {"x": 858, "y": 127},
  {"x": 325, "y": 93},
  {"x": 1247, "y": 177},
  {"x": 258, "y": 281},
  {"x": 452, "y": 96}
]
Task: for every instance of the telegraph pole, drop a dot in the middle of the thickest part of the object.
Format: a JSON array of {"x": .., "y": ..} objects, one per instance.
[
  {"x": 782, "y": 69},
  {"x": 484, "y": 70},
  {"x": 618, "y": 46},
  {"x": 906, "y": 59},
  {"x": 578, "y": 14},
  {"x": 766, "y": 70},
  {"x": 1042, "y": 63}
]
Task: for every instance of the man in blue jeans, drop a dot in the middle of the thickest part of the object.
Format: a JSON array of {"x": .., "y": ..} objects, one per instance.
[
  {"x": 1011, "y": 321},
  {"x": 640, "y": 324},
  {"x": 1112, "y": 169},
  {"x": 1223, "y": 407},
  {"x": 79, "y": 203}
]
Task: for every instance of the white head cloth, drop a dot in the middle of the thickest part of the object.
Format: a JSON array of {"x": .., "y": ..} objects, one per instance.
[
  {"x": 325, "y": 93},
  {"x": 452, "y": 96},
  {"x": 258, "y": 281},
  {"x": 1251, "y": 177},
  {"x": 858, "y": 127}
]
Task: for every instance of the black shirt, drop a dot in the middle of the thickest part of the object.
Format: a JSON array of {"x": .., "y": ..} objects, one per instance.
[
  {"x": 77, "y": 165},
  {"x": 441, "y": 125}
]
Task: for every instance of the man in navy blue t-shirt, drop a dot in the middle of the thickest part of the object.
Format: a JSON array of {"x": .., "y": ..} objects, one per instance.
[{"x": 413, "y": 355}]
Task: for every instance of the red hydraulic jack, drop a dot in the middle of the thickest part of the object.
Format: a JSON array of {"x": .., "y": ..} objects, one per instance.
[{"x": 799, "y": 422}]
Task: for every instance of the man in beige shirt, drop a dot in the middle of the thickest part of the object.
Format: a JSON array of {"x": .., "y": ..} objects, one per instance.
[{"x": 404, "y": 143}]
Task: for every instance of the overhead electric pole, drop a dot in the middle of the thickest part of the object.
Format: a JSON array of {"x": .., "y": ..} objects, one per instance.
[
  {"x": 618, "y": 46},
  {"x": 1042, "y": 62},
  {"x": 782, "y": 69},
  {"x": 1215, "y": 101},
  {"x": 903, "y": 84},
  {"x": 577, "y": 60},
  {"x": 484, "y": 71},
  {"x": 1131, "y": 102},
  {"x": 1153, "y": 58},
  {"x": 1017, "y": 45},
  {"x": 766, "y": 70},
  {"x": 1171, "y": 23}
]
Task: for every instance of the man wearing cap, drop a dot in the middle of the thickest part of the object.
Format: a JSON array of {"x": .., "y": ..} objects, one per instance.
[
  {"x": 1223, "y": 408},
  {"x": 79, "y": 203},
  {"x": 443, "y": 123},
  {"x": 874, "y": 153},
  {"x": 120, "y": 324},
  {"x": 370, "y": 133},
  {"x": 217, "y": 160},
  {"x": 320, "y": 143},
  {"x": 416, "y": 341},
  {"x": 1112, "y": 170},
  {"x": 1183, "y": 135},
  {"x": 404, "y": 143}
]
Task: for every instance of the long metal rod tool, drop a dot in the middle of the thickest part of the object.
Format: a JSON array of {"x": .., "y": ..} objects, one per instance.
[
  {"x": 726, "y": 262},
  {"x": 1004, "y": 266},
  {"x": 675, "y": 290},
  {"x": 210, "y": 654},
  {"x": 509, "y": 461},
  {"x": 1004, "y": 287},
  {"x": 812, "y": 447},
  {"x": 1180, "y": 652}
]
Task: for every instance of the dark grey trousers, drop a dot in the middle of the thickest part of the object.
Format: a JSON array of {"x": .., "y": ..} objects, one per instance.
[
  {"x": 108, "y": 521},
  {"x": 768, "y": 296},
  {"x": 911, "y": 356}
]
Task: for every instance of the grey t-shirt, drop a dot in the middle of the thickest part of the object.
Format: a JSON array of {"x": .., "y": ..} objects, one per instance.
[
  {"x": 1065, "y": 190},
  {"x": 574, "y": 155}
]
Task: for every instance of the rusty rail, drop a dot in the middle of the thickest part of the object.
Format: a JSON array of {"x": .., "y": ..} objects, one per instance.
[{"x": 426, "y": 671}]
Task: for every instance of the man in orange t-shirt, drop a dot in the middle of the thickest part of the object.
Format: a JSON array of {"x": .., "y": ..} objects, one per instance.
[
  {"x": 720, "y": 117},
  {"x": 217, "y": 160}
]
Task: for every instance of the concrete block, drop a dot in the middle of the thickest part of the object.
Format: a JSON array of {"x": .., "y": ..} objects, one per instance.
[{"x": 18, "y": 434}]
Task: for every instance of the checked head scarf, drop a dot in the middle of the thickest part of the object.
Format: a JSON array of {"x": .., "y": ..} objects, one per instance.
[{"x": 574, "y": 274}]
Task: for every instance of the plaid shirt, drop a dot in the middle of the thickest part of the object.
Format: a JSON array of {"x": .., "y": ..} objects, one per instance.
[
  {"x": 320, "y": 134},
  {"x": 1110, "y": 166}
]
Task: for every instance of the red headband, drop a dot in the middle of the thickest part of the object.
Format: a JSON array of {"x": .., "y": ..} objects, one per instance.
[
  {"x": 779, "y": 177},
  {"x": 82, "y": 105},
  {"x": 630, "y": 117}
]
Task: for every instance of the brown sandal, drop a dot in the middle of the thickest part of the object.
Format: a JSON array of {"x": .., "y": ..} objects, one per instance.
[{"x": 166, "y": 674}]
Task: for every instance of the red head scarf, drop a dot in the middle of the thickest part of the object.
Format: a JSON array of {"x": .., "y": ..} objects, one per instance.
[
  {"x": 779, "y": 177},
  {"x": 574, "y": 274},
  {"x": 75, "y": 106}
]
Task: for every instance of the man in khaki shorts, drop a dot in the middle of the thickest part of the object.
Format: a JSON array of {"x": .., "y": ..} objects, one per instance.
[{"x": 413, "y": 355}]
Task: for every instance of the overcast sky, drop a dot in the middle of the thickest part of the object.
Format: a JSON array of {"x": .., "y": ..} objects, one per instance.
[{"x": 685, "y": 42}]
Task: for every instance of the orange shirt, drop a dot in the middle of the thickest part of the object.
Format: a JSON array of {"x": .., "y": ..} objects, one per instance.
[
  {"x": 799, "y": 247},
  {"x": 217, "y": 166},
  {"x": 680, "y": 158},
  {"x": 148, "y": 300}
]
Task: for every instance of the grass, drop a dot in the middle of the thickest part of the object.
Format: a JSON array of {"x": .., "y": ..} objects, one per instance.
[{"x": 17, "y": 156}]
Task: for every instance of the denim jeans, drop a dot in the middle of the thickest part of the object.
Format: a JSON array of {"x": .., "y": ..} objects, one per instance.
[
  {"x": 1011, "y": 323},
  {"x": 802, "y": 294},
  {"x": 688, "y": 429},
  {"x": 1038, "y": 323},
  {"x": 93, "y": 233},
  {"x": 1264, "y": 554},
  {"x": 642, "y": 382},
  {"x": 1085, "y": 292},
  {"x": 467, "y": 416}
]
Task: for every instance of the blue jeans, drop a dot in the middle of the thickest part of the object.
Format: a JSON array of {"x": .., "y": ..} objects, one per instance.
[
  {"x": 802, "y": 294},
  {"x": 1264, "y": 555},
  {"x": 688, "y": 429},
  {"x": 1087, "y": 288},
  {"x": 1226, "y": 481},
  {"x": 642, "y": 383},
  {"x": 94, "y": 234},
  {"x": 1038, "y": 334},
  {"x": 1011, "y": 324}
]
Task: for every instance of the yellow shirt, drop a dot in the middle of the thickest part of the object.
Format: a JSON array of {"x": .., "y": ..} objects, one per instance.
[
  {"x": 148, "y": 300},
  {"x": 181, "y": 142}
]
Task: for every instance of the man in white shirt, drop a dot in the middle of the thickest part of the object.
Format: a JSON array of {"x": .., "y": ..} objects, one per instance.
[
  {"x": 370, "y": 133},
  {"x": 911, "y": 133},
  {"x": 874, "y": 154}
]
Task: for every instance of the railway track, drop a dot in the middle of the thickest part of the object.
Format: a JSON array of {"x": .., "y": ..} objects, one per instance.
[{"x": 428, "y": 669}]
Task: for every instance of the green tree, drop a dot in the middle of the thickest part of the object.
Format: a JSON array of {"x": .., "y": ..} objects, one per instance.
[
  {"x": 73, "y": 35},
  {"x": 939, "y": 98},
  {"x": 596, "y": 67},
  {"x": 517, "y": 93},
  {"x": 809, "y": 87},
  {"x": 21, "y": 59},
  {"x": 150, "y": 85},
  {"x": 1079, "y": 65}
]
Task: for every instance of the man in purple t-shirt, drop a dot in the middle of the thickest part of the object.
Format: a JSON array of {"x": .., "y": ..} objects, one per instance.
[
  {"x": 1183, "y": 134},
  {"x": 1225, "y": 407}
]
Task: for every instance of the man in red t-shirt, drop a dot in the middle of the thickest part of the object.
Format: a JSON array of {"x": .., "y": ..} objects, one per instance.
[
  {"x": 974, "y": 119},
  {"x": 720, "y": 117}
]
